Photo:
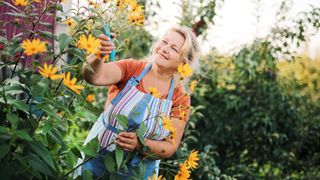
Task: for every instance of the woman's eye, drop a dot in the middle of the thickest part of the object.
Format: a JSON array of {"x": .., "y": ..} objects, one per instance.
[
  {"x": 176, "y": 50},
  {"x": 165, "y": 42}
]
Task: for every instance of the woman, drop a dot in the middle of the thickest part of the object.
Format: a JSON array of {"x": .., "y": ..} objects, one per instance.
[{"x": 132, "y": 84}]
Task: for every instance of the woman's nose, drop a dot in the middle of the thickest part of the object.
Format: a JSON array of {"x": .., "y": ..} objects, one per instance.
[{"x": 165, "y": 49}]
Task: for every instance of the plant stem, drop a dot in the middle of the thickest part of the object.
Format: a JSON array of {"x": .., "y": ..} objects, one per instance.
[
  {"x": 86, "y": 160},
  {"x": 29, "y": 36}
]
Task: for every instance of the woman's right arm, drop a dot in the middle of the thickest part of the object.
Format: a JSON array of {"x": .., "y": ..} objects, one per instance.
[{"x": 96, "y": 72}]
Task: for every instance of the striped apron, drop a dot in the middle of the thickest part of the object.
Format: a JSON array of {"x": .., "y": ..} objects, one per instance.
[{"x": 139, "y": 107}]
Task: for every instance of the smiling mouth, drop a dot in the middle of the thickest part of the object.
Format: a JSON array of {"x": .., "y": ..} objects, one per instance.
[{"x": 163, "y": 56}]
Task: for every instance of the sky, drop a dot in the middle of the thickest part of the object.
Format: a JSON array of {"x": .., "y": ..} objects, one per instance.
[{"x": 235, "y": 23}]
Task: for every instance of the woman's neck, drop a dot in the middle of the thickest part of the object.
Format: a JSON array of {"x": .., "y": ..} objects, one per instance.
[{"x": 161, "y": 73}]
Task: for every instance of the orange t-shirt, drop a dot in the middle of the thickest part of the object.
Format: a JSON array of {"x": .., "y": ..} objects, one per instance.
[{"x": 130, "y": 68}]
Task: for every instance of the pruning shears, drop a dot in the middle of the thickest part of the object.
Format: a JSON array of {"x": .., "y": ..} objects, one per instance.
[{"x": 107, "y": 33}]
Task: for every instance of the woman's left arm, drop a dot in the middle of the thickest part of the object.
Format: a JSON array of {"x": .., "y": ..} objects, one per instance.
[{"x": 162, "y": 149}]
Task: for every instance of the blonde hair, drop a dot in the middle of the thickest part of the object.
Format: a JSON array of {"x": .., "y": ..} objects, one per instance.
[{"x": 190, "y": 49}]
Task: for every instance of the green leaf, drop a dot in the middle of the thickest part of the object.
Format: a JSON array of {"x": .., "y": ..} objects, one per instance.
[
  {"x": 123, "y": 120},
  {"x": 37, "y": 164},
  {"x": 76, "y": 152},
  {"x": 13, "y": 89},
  {"x": 48, "y": 25},
  {"x": 87, "y": 175},
  {"x": 91, "y": 149},
  {"x": 56, "y": 104},
  {"x": 23, "y": 135},
  {"x": 47, "y": 127},
  {"x": 42, "y": 151},
  {"x": 140, "y": 133},
  {"x": 141, "y": 130},
  {"x": 48, "y": 109},
  {"x": 39, "y": 85},
  {"x": 56, "y": 136},
  {"x": 3, "y": 129},
  {"x": 129, "y": 156},
  {"x": 141, "y": 139},
  {"x": 64, "y": 40},
  {"x": 10, "y": 5},
  {"x": 46, "y": 34},
  {"x": 71, "y": 159},
  {"x": 109, "y": 162},
  {"x": 142, "y": 170},
  {"x": 119, "y": 156},
  {"x": 77, "y": 53},
  {"x": 16, "y": 14},
  {"x": 86, "y": 114},
  {"x": 14, "y": 120},
  {"x": 3, "y": 40},
  {"x": 18, "y": 104},
  {"x": 4, "y": 149}
]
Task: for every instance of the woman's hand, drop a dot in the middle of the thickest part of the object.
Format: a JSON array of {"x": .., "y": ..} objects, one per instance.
[
  {"x": 106, "y": 45},
  {"x": 128, "y": 141}
]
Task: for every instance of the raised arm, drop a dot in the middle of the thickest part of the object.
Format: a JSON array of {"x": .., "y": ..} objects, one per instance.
[{"x": 96, "y": 71}]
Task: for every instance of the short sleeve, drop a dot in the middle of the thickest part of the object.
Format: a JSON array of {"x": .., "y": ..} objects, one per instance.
[
  {"x": 180, "y": 105},
  {"x": 128, "y": 68}
]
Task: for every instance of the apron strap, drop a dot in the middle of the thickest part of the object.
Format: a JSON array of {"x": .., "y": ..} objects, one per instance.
[
  {"x": 144, "y": 72},
  {"x": 171, "y": 90},
  {"x": 134, "y": 81}
]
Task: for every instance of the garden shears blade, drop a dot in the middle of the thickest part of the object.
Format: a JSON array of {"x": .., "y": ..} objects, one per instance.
[{"x": 107, "y": 33}]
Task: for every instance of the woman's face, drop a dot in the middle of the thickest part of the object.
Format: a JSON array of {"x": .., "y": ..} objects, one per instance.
[{"x": 167, "y": 50}]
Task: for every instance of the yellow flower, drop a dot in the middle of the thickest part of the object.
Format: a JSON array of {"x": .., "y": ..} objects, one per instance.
[
  {"x": 33, "y": 47},
  {"x": 182, "y": 115},
  {"x": 94, "y": 4},
  {"x": 71, "y": 23},
  {"x": 183, "y": 173},
  {"x": 167, "y": 123},
  {"x": 90, "y": 44},
  {"x": 172, "y": 136},
  {"x": 136, "y": 18},
  {"x": 192, "y": 159},
  {"x": 121, "y": 4},
  {"x": 50, "y": 72},
  {"x": 104, "y": 58},
  {"x": 71, "y": 84},
  {"x": 173, "y": 132},
  {"x": 154, "y": 92},
  {"x": 193, "y": 85},
  {"x": 134, "y": 6},
  {"x": 90, "y": 98},
  {"x": 21, "y": 2},
  {"x": 184, "y": 70},
  {"x": 154, "y": 177}
]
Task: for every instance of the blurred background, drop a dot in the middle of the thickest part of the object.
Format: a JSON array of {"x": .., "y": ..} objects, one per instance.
[{"x": 255, "y": 110}]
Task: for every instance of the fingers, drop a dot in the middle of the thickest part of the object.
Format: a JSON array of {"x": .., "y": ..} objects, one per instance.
[
  {"x": 106, "y": 45},
  {"x": 106, "y": 49},
  {"x": 125, "y": 146},
  {"x": 128, "y": 134},
  {"x": 113, "y": 35},
  {"x": 103, "y": 37},
  {"x": 127, "y": 140}
]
